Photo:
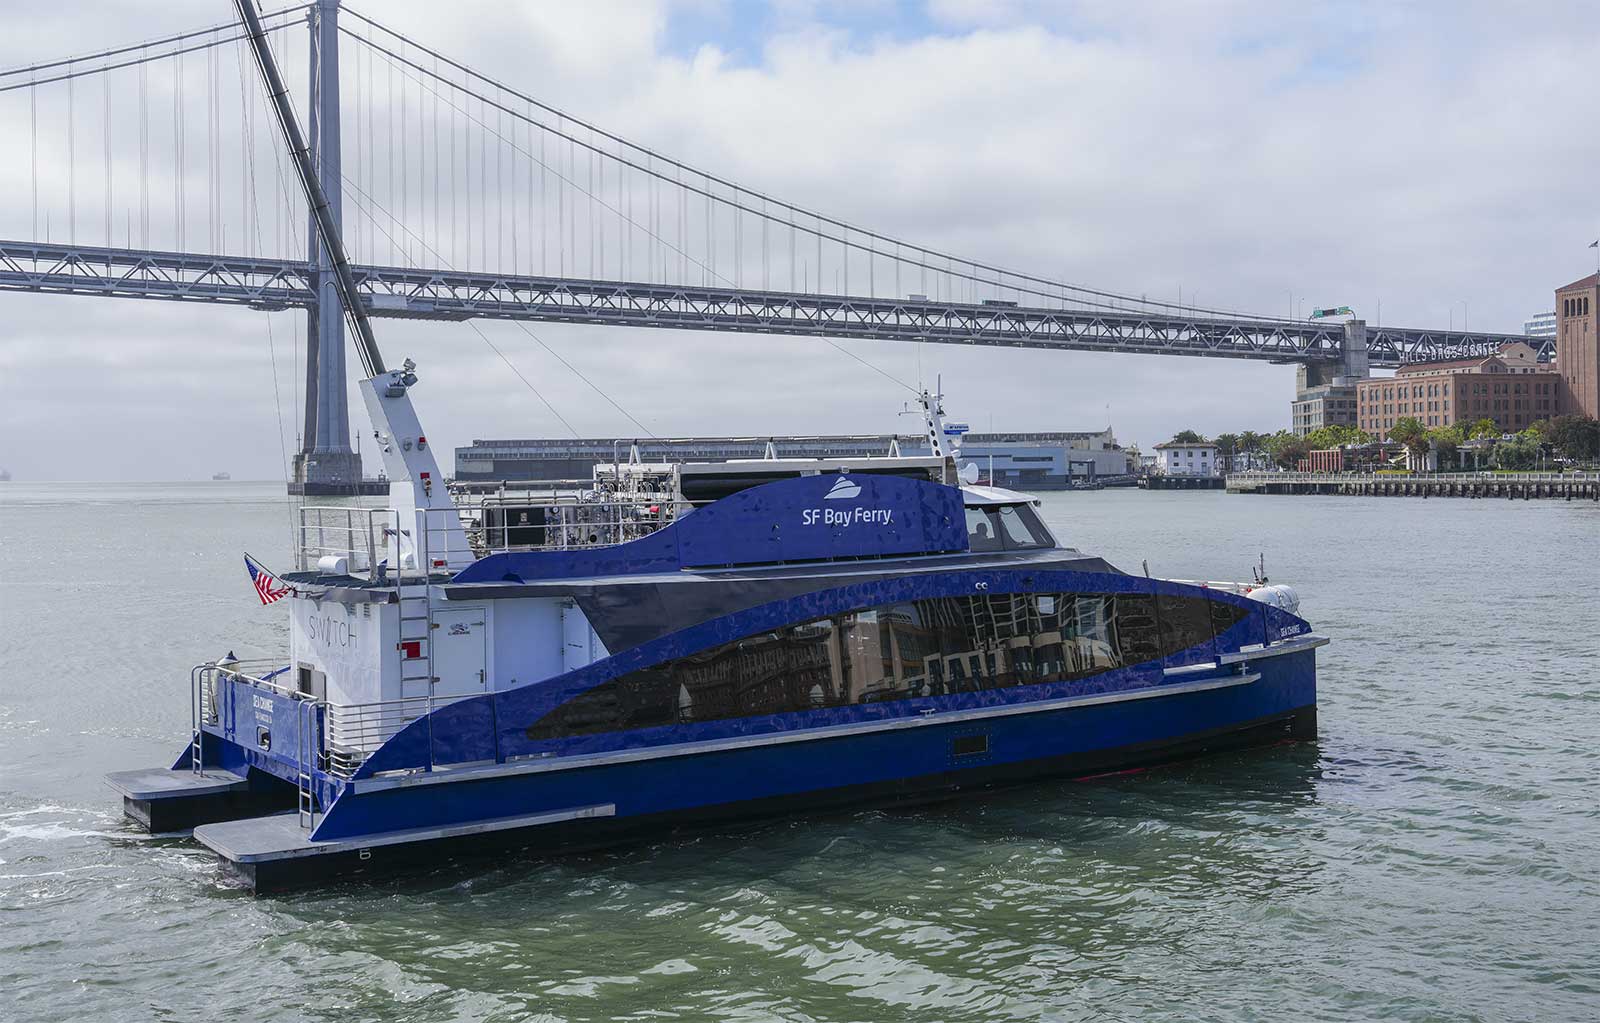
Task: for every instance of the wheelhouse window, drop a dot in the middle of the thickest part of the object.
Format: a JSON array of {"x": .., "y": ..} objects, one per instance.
[
  {"x": 934, "y": 647},
  {"x": 1006, "y": 527},
  {"x": 981, "y": 532},
  {"x": 1021, "y": 528}
]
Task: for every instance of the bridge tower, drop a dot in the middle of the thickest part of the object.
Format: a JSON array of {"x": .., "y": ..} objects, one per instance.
[
  {"x": 1325, "y": 392},
  {"x": 325, "y": 463}
]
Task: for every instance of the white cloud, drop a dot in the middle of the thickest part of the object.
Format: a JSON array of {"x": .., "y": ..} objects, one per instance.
[{"x": 1425, "y": 157}]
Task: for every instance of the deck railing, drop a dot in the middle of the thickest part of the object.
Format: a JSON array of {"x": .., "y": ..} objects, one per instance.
[
  {"x": 266, "y": 674},
  {"x": 493, "y": 524},
  {"x": 356, "y": 730},
  {"x": 357, "y": 535},
  {"x": 351, "y": 731},
  {"x": 1399, "y": 477}
]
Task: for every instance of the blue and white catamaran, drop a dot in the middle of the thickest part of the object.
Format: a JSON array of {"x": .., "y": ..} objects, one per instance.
[{"x": 675, "y": 645}]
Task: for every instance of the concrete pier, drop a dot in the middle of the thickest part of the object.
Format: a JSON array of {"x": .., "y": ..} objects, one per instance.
[
  {"x": 1508, "y": 486},
  {"x": 1157, "y": 481}
]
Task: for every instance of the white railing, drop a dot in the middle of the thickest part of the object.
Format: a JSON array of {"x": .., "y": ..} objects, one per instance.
[
  {"x": 494, "y": 524},
  {"x": 512, "y": 522},
  {"x": 351, "y": 732},
  {"x": 358, "y": 535},
  {"x": 271, "y": 675},
  {"x": 355, "y": 731},
  {"x": 1396, "y": 477}
]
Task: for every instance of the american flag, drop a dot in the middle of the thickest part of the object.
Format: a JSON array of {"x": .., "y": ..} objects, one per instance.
[{"x": 268, "y": 586}]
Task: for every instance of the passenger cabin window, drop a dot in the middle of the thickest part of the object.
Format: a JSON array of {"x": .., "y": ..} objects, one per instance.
[
  {"x": 1006, "y": 527},
  {"x": 932, "y": 647}
]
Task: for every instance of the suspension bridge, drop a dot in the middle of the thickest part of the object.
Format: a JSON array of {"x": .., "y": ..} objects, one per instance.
[{"x": 461, "y": 198}]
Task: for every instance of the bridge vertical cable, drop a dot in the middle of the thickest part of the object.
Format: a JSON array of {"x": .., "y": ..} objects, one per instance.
[{"x": 603, "y": 214}]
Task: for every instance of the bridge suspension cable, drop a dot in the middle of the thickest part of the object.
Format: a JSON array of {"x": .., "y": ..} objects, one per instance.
[
  {"x": 144, "y": 57},
  {"x": 479, "y": 200},
  {"x": 827, "y": 229}
]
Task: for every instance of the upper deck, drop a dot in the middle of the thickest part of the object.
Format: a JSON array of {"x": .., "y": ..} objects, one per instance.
[{"x": 640, "y": 518}]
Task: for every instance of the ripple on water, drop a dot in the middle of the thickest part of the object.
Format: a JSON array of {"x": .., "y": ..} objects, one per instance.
[{"x": 1430, "y": 857}]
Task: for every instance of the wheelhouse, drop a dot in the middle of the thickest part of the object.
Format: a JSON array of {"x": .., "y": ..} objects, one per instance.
[{"x": 1003, "y": 520}]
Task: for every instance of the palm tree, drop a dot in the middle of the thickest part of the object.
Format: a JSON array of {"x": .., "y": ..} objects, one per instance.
[
  {"x": 1251, "y": 442},
  {"x": 1227, "y": 447},
  {"x": 1410, "y": 432}
]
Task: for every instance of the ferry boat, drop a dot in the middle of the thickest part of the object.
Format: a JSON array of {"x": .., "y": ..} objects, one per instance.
[
  {"x": 665, "y": 646},
  {"x": 670, "y": 645}
]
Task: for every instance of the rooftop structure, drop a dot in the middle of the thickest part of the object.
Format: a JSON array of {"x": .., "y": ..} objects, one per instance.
[
  {"x": 1327, "y": 405},
  {"x": 1540, "y": 325},
  {"x": 1511, "y": 387},
  {"x": 1514, "y": 356},
  {"x": 1038, "y": 460}
]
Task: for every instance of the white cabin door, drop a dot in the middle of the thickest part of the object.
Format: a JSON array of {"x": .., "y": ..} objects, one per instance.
[{"x": 460, "y": 648}]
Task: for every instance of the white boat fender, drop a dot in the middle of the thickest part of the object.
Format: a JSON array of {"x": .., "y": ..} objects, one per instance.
[
  {"x": 333, "y": 564},
  {"x": 1278, "y": 595}
]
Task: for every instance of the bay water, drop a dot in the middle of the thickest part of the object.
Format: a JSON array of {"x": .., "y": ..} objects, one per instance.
[{"x": 1433, "y": 855}]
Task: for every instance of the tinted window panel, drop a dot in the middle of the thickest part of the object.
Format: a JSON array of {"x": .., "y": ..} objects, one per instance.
[
  {"x": 900, "y": 651},
  {"x": 1140, "y": 639},
  {"x": 1224, "y": 615},
  {"x": 982, "y": 534},
  {"x": 1185, "y": 625},
  {"x": 1021, "y": 528}
]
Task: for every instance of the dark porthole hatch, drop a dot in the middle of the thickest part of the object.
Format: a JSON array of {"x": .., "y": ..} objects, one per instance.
[{"x": 969, "y": 745}]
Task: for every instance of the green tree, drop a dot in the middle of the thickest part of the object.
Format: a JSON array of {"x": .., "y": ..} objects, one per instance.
[
  {"x": 1252, "y": 443},
  {"x": 1447, "y": 441},
  {"x": 1227, "y": 447},
  {"x": 1519, "y": 452},
  {"x": 1575, "y": 436},
  {"x": 1483, "y": 429},
  {"x": 1187, "y": 437},
  {"x": 1409, "y": 431},
  {"x": 1286, "y": 449},
  {"x": 1335, "y": 436}
]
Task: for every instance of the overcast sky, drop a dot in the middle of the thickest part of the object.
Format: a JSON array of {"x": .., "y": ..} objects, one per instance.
[{"x": 1438, "y": 158}]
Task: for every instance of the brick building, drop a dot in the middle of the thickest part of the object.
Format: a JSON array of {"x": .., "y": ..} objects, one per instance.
[
  {"x": 1578, "y": 344},
  {"x": 1323, "y": 460},
  {"x": 1511, "y": 387}
]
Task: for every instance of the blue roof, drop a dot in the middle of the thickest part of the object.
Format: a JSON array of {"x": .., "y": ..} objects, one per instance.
[{"x": 807, "y": 518}]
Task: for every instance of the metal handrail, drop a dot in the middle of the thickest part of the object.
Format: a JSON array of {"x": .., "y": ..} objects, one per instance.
[
  {"x": 551, "y": 523},
  {"x": 356, "y": 534},
  {"x": 351, "y": 731},
  {"x": 1296, "y": 476},
  {"x": 356, "y": 730}
]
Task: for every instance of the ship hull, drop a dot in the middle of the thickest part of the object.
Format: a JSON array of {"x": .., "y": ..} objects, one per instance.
[{"x": 642, "y": 794}]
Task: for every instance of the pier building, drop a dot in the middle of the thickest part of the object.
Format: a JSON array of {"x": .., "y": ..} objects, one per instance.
[
  {"x": 1046, "y": 460},
  {"x": 1176, "y": 459},
  {"x": 1511, "y": 387}
]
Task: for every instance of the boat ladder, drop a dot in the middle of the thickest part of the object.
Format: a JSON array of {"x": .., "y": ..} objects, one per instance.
[
  {"x": 197, "y": 714},
  {"x": 305, "y": 758},
  {"x": 416, "y": 626}
]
